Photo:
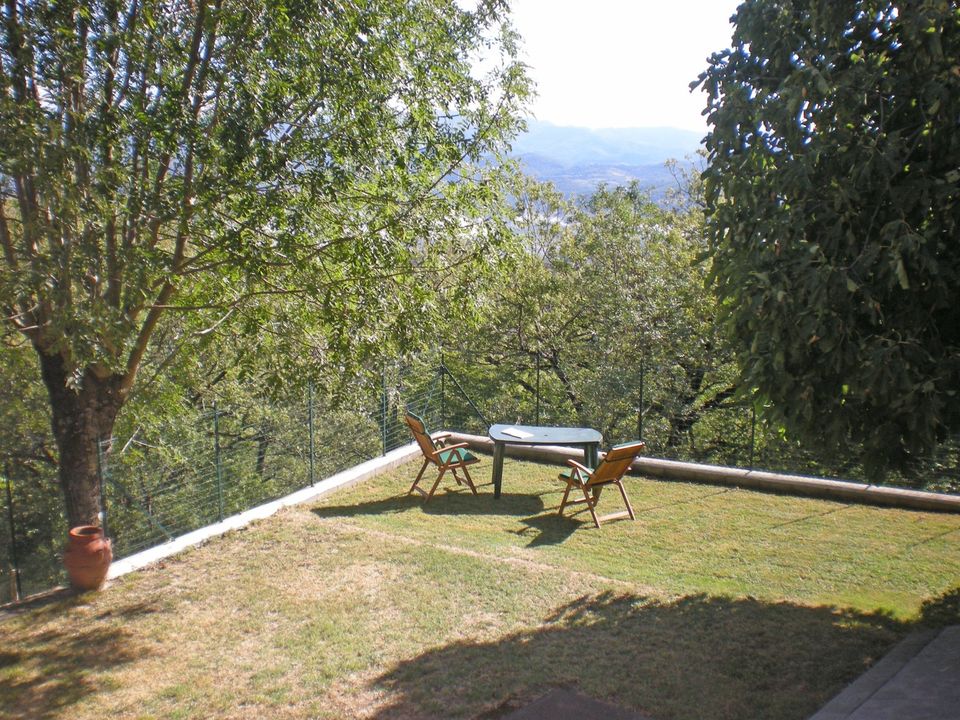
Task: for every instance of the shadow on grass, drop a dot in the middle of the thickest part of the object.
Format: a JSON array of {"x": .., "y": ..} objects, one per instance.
[
  {"x": 541, "y": 522},
  {"x": 702, "y": 657},
  {"x": 553, "y": 528},
  {"x": 445, "y": 502},
  {"x": 550, "y": 528},
  {"x": 941, "y": 611},
  {"x": 52, "y": 670}
]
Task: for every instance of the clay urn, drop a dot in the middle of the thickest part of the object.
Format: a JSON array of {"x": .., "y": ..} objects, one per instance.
[{"x": 87, "y": 557}]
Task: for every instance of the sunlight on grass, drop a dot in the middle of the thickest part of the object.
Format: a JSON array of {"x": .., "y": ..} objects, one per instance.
[
  {"x": 715, "y": 603},
  {"x": 688, "y": 538}
]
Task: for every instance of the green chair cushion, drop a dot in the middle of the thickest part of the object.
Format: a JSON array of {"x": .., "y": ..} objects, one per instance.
[
  {"x": 464, "y": 456},
  {"x": 569, "y": 471}
]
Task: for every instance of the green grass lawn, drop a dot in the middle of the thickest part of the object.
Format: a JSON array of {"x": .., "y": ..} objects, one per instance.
[{"x": 715, "y": 603}]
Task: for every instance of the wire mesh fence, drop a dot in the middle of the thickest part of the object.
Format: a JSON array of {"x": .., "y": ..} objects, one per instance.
[
  {"x": 228, "y": 460},
  {"x": 32, "y": 534},
  {"x": 171, "y": 477},
  {"x": 683, "y": 411},
  {"x": 207, "y": 463}
]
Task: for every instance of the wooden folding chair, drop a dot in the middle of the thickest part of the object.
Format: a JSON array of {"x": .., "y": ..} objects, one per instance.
[
  {"x": 590, "y": 482},
  {"x": 444, "y": 457}
]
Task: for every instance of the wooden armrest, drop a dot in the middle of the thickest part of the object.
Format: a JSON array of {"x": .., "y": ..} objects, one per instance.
[
  {"x": 578, "y": 466},
  {"x": 580, "y": 473},
  {"x": 441, "y": 435},
  {"x": 455, "y": 446}
]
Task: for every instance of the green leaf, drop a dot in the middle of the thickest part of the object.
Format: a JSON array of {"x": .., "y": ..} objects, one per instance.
[{"x": 864, "y": 180}]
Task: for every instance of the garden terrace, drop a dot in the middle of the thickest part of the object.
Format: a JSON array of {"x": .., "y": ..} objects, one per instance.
[{"x": 715, "y": 603}]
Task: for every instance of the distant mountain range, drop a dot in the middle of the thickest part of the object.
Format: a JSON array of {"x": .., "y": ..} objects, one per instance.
[{"x": 576, "y": 160}]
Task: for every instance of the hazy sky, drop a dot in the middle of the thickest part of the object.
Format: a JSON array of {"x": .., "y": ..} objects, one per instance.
[{"x": 621, "y": 63}]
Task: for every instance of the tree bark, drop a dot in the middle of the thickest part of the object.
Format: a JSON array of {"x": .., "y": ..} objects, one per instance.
[{"x": 81, "y": 417}]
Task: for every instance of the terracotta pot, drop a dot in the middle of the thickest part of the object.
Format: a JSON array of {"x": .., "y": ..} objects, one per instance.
[{"x": 87, "y": 557}]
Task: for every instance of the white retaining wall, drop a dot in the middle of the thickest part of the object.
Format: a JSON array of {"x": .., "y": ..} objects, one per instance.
[{"x": 344, "y": 479}]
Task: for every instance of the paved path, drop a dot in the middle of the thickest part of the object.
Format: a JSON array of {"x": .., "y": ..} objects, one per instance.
[{"x": 918, "y": 680}]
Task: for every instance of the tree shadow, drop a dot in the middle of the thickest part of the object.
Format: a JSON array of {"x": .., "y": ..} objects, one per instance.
[
  {"x": 696, "y": 657},
  {"x": 941, "y": 611},
  {"x": 61, "y": 665},
  {"x": 36, "y": 603}
]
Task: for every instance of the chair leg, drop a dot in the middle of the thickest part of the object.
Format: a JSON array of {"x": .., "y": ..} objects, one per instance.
[
  {"x": 591, "y": 502},
  {"x": 435, "y": 484},
  {"x": 626, "y": 500},
  {"x": 468, "y": 479},
  {"x": 566, "y": 494},
  {"x": 419, "y": 475}
]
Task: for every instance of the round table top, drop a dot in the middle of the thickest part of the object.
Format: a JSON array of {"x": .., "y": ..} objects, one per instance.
[{"x": 540, "y": 435}]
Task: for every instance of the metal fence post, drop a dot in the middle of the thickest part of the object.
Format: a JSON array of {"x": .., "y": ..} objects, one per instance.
[
  {"x": 310, "y": 426},
  {"x": 101, "y": 473},
  {"x": 16, "y": 589},
  {"x": 640, "y": 402},
  {"x": 443, "y": 394},
  {"x": 216, "y": 460},
  {"x": 383, "y": 408},
  {"x": 538, "y": 390},
  {"x": 753, "y": 433}
]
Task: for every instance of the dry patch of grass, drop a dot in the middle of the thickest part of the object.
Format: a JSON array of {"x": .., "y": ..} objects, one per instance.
[{"x": 714, "y": 604}]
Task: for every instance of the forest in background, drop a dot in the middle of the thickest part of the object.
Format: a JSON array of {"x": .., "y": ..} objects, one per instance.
[{"x": 599, "y": 316}]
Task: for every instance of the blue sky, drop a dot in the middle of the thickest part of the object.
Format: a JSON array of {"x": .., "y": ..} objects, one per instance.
[{"x": 621, "y": 63}]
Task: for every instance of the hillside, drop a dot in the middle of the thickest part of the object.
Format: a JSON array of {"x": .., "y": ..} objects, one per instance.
[{"x": 576, "y": 160}]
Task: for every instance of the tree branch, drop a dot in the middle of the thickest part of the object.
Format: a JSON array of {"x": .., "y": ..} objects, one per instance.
[{"x": 6, "y": 240}]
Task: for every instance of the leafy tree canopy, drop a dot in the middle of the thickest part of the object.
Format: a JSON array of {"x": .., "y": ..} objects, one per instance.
[
  {"x": 602, "y": 289},
  {"x": 169, "y": 158},
  {"x": 833, "y": 213}
]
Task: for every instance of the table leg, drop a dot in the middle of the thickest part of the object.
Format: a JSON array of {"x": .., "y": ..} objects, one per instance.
[
  {"x": 498, "y": 448},
  {"x": 591, "y": 458},
  {"x": 591, "y": 455}
]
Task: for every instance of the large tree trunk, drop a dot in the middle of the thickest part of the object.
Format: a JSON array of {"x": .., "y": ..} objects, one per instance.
[{"x": 82, "y": 416}]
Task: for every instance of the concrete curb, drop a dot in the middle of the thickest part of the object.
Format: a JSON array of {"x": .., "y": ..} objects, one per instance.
[
  {"x": 341, "y": 480},
  {"x": 754, "y": 479}
]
